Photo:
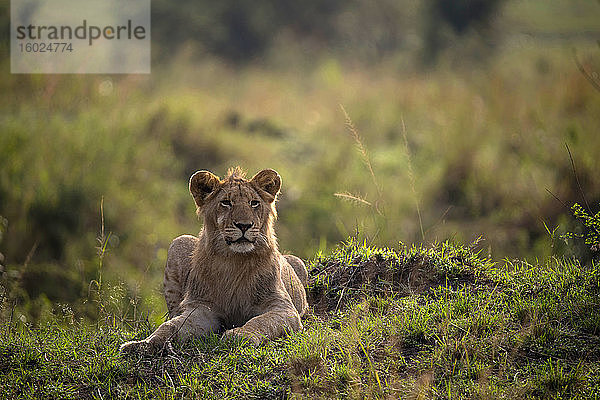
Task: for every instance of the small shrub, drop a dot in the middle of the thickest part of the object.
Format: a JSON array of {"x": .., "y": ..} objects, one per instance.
[{"x": 591, "y": 230}]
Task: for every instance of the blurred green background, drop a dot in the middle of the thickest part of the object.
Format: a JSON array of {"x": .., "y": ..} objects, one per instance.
[{"x": 456, "y": 118}]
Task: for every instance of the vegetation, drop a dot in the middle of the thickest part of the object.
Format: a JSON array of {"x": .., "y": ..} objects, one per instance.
[
  {"x": 451, "y": 324},
  {"x": 591, "y": 230},
  {"x": 490, "y": 142},
  {"x": 473, "y": 162}
]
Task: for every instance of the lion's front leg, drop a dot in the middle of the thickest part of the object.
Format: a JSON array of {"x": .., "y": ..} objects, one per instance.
[
  {"x": 195, "y": 321},
  {"x": 273, "y": 323}
]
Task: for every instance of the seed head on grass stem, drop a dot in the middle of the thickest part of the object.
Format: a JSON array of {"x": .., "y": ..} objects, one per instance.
[
  {"x": 365, "y": 156},
  {"x": 411, "y": 177}
]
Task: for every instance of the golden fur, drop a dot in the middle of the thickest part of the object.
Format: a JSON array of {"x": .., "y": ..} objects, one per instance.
[{"x": 231, "y": 277}]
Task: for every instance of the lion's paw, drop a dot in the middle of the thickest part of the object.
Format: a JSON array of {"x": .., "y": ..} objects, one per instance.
[
  {"x": 253, "y": 338},
  {"x": 138, "y": 347}
]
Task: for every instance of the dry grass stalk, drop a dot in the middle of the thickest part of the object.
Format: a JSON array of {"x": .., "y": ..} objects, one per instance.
[{"x": 364, "y": 154}]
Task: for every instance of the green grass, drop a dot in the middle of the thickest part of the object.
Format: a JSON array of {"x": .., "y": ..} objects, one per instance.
[{"x": 471, "y": 328}]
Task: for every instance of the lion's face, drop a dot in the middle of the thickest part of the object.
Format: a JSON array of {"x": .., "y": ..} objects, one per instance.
[{"x": 238, "y": 213}]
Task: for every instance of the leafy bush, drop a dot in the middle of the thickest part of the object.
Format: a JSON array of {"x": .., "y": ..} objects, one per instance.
[
  {"x": 591, "y": 230},
  {"x": 242, "y": 31}
]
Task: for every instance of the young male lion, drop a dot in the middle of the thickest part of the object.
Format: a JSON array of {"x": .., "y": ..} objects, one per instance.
[{"x": 231, "y": 277}]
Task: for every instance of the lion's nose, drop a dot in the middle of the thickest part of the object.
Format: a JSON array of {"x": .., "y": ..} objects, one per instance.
[{"x": 243, "y": 227}]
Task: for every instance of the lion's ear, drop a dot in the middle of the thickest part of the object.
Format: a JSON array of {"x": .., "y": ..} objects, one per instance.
[
  {"x": 269, "y": 181},
  {"x": 202, "y": 184}
]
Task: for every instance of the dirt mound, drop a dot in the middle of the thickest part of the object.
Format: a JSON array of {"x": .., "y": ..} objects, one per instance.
[{"x": 356, "y": 271}]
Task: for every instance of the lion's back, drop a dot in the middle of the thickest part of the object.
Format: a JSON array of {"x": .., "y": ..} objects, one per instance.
[
  {"x": 179, "y": 264},
  {"x": 294, "y": 276}
]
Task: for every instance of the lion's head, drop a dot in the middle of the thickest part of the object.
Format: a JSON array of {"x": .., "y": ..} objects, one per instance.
[{"x": 238, "y": 213}]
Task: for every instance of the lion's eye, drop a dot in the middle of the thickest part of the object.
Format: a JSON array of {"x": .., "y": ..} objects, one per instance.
[
  {"x": 226, "y": 203},
  {"x": 254, "y": 203}
]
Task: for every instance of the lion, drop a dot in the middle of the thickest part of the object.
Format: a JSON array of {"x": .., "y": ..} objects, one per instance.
[{"x": 231, "y": 278}]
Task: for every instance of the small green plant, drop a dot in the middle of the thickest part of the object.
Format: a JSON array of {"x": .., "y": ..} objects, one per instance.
[{"x": 591, "y": 224}]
